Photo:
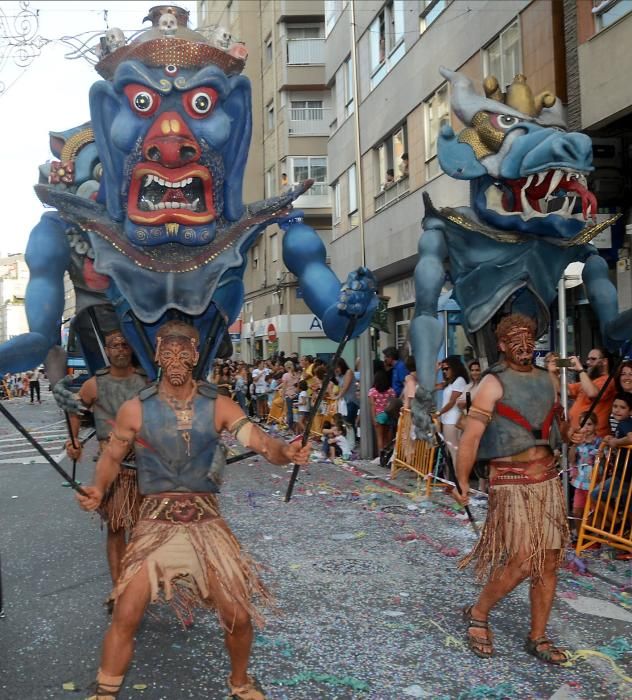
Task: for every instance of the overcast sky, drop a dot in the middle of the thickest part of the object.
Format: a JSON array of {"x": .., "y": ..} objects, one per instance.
[{"x": 50, "y": 95}]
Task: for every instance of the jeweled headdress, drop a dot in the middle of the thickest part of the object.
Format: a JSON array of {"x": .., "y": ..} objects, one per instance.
[{"x": 170, "y": 42}]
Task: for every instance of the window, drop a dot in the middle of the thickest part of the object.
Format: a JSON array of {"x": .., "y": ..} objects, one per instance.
[
  {"x": 314, "y": 167},
  {"x": 274, "y": 247},
  {"x": 352, "y": 190},
  {"x": 503, "y": 57},
  {"x": 305, "y": 44},
  {"x": 333, "y": 8},
  {"x": 313, "y": 31},
  {"x": 268, "y": 50},
  {"x": 389, "y": 155},
  {"x": 231, "y": 7},
  {"x": 306, "y": 110},
  {"x": 437, "y": 113},
  {"x": 270, "y": 188},
  {"x": 270, "y": 116},
  {"x": 431, "y": 10},
  {"x": 608, "y": 13},
  {"x": 347, "y": 78},
  {"x": 386, "y": 40},
  {"x": 255, "y": 257},
  {"x": 337, "y": 212}
]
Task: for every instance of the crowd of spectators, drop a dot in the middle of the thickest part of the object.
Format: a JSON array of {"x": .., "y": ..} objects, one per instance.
[{"x": 23, "y": 384}]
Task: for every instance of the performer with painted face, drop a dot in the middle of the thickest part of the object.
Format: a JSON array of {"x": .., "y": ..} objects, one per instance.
[
  {"x": 181, "y": 541},
  {"x": 104, "y": 393},
  {"x": 514, "y": 423}
]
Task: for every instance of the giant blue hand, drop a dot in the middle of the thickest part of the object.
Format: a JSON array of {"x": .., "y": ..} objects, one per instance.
[
  {"x": 305, "y": 255},
  {"x": 357, "y": 295}
]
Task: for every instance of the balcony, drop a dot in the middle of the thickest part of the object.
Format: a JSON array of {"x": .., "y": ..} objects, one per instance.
[
  {"x": 391, "y": 194},
  {"x": 306, "y": 121},
  {"x": 316, "y": 197},
  {"x": 305, "y": 52}
]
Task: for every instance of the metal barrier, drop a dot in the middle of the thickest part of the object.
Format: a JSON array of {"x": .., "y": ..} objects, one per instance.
[
  {"x": 410, "y": 453},
  {"x": 607, "y": 515},
  {"x": 277, "y": 411},
  {"x": 329, "y": 407}
]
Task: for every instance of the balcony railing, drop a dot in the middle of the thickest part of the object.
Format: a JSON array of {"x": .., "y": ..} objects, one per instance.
[
  {"x": 317, "y": 196},
  {"x": 308, "y": 121},
  {"x": 305, "y": 52},
  {"x": 391, "y": 194}
]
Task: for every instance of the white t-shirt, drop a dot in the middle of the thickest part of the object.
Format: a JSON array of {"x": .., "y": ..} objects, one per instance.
[
  {"x": 303, "y": 402},
  {"x": 343, "y": 444},
  {"x": 452, "y": 416}
]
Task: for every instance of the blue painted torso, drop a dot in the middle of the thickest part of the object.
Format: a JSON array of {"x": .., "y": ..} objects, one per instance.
[{"x": 165, "y": 460}]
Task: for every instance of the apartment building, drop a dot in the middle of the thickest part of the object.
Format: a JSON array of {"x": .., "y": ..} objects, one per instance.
[
  {"x": 599, "y": 63},
  {"x": 14, "y": 277},
  {"x": 403, "y": 101},
  {"x": 291, "y": 116}
]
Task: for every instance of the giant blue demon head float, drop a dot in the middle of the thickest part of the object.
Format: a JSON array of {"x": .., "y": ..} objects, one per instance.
[
  {"x": 150, "y": 221},
  {"x": 530, "y": 215},
  {"x": 172, "y": 125}
]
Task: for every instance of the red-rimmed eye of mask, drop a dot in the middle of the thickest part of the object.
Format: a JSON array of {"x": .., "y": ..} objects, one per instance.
[
  {"x": 143, "y": 100},
  {"x": 200, "y": 102}
]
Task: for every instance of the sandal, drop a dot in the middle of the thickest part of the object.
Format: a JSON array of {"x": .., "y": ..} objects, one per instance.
[
  {"x": 548, "y": 654},
  {"x": 483, "y": 648},
  {"x": 249, "y": 691}
]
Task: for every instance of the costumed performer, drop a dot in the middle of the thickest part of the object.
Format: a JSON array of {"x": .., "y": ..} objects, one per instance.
[
  {"x": 514, "y": 423},
  {"x": 105, "y": 393},
  {"x": 181, "y": 542}
]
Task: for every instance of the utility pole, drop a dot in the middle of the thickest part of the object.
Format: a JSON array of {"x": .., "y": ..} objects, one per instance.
[{"x": 364, "y": 341}]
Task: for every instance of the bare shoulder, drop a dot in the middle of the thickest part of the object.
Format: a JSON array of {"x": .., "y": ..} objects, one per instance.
[
  {"x": 488, "y": 392},
  {"x": 130, "y": 415},
  {"x": 226, "y": 412},
  {"x": 88, "y": 391}
]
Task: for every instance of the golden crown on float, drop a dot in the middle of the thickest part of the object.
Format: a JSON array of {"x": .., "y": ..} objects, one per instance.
[{"x": 172, "y": 44}]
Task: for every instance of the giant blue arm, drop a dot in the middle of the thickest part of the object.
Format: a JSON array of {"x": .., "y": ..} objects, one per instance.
[
  {"x": 305, "y": 255},
  {"x": 426, "y": 331},
  {"x": 48, "y": 257}
]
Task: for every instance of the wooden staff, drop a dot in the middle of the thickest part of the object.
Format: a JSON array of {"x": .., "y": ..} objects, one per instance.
[{"x": 323, "y": 389}]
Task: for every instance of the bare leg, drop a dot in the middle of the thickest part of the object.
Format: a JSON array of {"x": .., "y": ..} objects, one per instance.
[
  {"x": 238, "y": 644},
  {"x": 115, "y": 547},
  {"x": 495, "y": 589},
  {"x": 118, "y": 645},
  {"x": 542, "y": 594},
  {"x": 238, "y": 639}
]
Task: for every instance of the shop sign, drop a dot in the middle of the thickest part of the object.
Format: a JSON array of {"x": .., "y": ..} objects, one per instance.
[{"x": 272, "y": 334}]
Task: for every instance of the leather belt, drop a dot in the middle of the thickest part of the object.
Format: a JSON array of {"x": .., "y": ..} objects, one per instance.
[
  {"x": 180, "y": 509},
  {"x": 511, "y": 475}
]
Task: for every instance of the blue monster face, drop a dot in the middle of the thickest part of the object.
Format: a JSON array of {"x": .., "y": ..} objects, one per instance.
[
  {"x": 173, "y": 143},
  {"x": 527, "y": 173}
]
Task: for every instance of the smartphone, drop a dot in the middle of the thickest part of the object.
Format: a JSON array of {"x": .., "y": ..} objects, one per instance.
[{"x": 563, "y": 362}]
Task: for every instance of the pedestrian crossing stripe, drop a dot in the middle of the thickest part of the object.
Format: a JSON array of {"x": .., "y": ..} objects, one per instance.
[{"x": 16, "y": 450}]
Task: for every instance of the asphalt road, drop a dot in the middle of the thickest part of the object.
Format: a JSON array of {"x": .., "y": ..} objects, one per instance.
[{"x": 366, "y": 583}]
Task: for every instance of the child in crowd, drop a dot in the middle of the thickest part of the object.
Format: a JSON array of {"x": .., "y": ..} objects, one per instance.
[
  {"x": 379, "y": 395},
  {"x": 615, "y": 487},
  {"x": 338, "y": 445},
  {"x": 261, "y": 392},
  {"x": 303, "y": 405},
  {"x": 272, "y": 384},
  {"x": 582, "y": 458}
]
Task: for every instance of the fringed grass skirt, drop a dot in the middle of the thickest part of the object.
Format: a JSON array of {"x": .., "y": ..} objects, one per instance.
[
  {"x": 523, "y": 520},
  {"x": 121, "y": 504},
  {"x": 193, "y": 558}
]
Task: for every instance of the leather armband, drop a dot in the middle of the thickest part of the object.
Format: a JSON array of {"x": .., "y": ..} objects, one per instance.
[
  {"x": 480, "y": 414},
  {"x": 242, "y": 429}
]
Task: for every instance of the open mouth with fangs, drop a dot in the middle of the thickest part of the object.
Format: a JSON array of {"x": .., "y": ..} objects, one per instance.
[
  {"x": 160, "y": 195},
  {"x": 559, "y": 191}
]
